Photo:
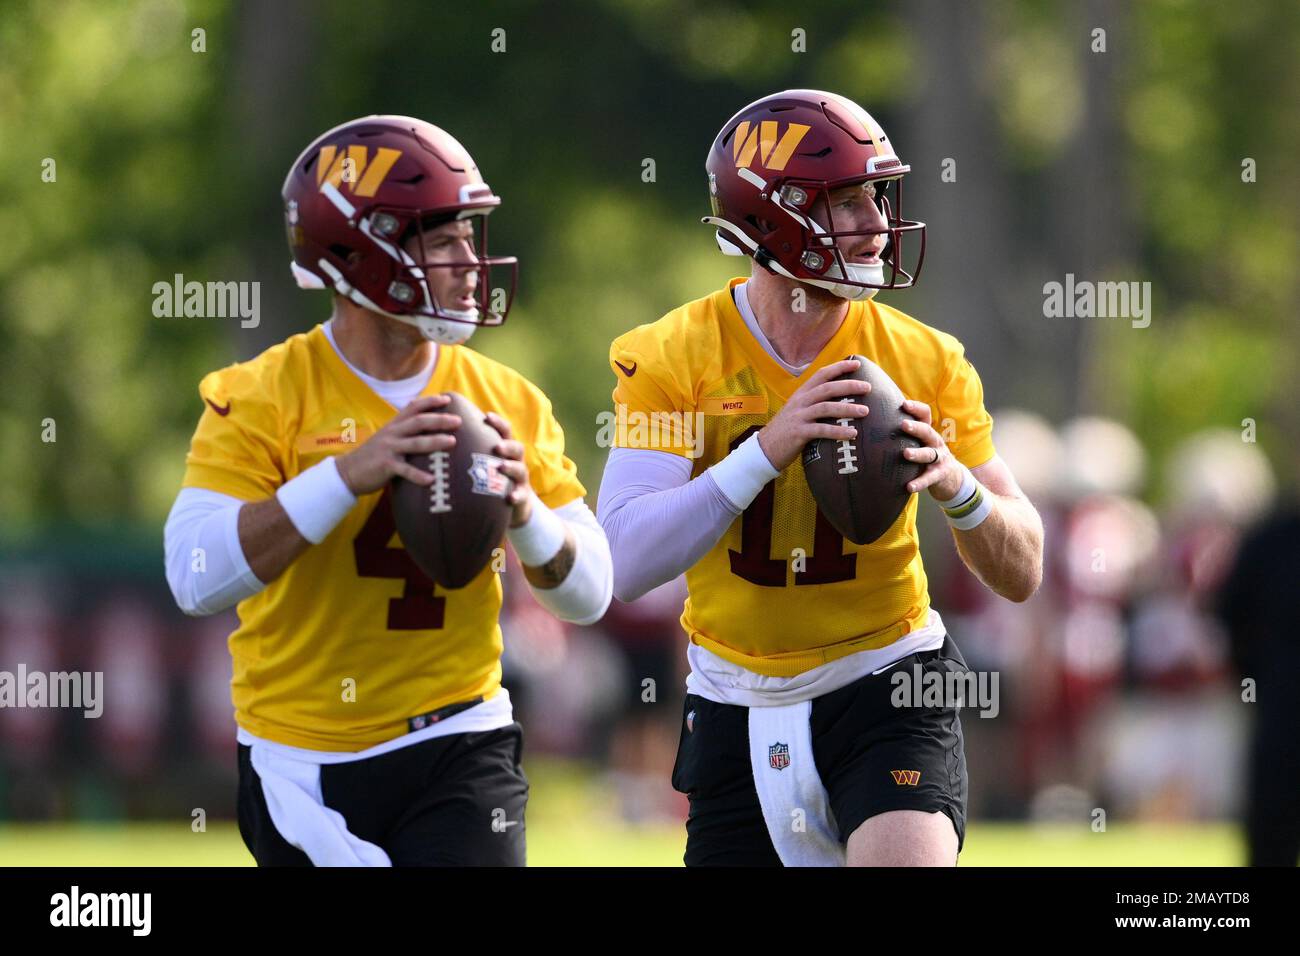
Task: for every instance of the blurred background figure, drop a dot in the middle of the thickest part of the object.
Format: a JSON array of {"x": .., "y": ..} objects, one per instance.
[
  {"x": 1116, "y": 674},
  {"x": 567, "y": 678},
  {"x": 30, "y": 623},
  {"x": 643, "y": 744},
  {"x": 1260, "y": 605}
]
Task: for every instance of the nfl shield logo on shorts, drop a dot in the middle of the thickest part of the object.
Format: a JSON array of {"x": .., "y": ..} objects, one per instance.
[{"x": 778, "y": 756}]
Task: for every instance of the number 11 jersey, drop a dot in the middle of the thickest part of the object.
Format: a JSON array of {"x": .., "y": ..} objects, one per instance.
[{"x": 782, "y": 592}]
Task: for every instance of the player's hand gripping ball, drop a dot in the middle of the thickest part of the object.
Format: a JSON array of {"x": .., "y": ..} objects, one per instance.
[
  {"x": 452, "y": 526},
  {"x": 861, "y": 483}
]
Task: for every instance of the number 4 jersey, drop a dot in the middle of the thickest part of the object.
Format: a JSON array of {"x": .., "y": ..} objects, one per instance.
[
  {"x": 352, "y": 639},
  {"x": 782, "y": 592}
]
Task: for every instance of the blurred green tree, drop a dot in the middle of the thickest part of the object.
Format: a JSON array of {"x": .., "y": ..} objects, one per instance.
[{"x": 169, "y": 160}]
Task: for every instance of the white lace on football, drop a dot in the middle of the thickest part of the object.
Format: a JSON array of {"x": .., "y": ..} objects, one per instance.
[
  {"x": 440, "y": 490},
  {"x": 848, "y": 459}
]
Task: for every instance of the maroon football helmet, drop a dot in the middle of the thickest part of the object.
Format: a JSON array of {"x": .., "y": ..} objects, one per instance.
[
  {"x": 363, "y": 189},
  {"x": 771, "y": 169}
]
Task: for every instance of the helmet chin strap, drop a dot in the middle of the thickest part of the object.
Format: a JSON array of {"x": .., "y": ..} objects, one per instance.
[
  {"x": 432, "y": 327},
  {"x": 736, "y": 243},
  {"x": 874, "y": 274},
  {"x": 442, "y": 331}
]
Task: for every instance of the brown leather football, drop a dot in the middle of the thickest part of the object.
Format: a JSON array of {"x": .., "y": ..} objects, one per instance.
[
  {"x": 451, "y": 528},
  {"x": 860, "y": 484}
]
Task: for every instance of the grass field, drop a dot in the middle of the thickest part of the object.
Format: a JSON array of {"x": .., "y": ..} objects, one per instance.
[
  {"x": 559, "y": 844},
  {"x": 572, "y": 822}
]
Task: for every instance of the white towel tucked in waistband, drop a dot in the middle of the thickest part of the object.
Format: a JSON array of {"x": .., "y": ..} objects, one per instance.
[
  {"x": 795, "y": 806},
  {"x": 293, "y": 796},
  {"x": 291, "y": 784}
]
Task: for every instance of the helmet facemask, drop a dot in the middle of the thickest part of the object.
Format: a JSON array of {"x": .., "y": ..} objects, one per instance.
[
  {"x": 424, "y": 247},
  {"x": 822, "y": 261},
  {"x": 803, "y": 205}
]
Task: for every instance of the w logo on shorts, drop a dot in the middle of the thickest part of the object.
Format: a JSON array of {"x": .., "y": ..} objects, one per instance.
[
  {"x": 906, "y": 778},
  {"x": 778, "y": 756}
]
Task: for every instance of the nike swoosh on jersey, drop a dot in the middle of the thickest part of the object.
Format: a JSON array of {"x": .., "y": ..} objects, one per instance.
[
  {"x": 629, "y": 372},
  {"x": 217, "y": 408}
]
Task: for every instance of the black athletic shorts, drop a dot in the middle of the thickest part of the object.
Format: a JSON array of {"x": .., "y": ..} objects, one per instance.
[
  {"x": 450, "y": 801},
  {"x": 859, "y": 740}
]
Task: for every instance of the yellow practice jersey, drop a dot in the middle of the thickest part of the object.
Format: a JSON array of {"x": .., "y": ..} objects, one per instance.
[
  {"x": 782, "y": 591},
  {"x": 352, "y": 639}
]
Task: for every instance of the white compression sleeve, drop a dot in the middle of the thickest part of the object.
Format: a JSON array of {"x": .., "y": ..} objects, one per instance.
[
  {"x": 584, "y": 595},
  {"x": 660, "y": 521},
  {"x": 206, "y": 568}
]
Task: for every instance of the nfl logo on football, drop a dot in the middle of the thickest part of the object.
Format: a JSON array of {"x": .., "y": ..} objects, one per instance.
[
  {"x": 486, "y": 475},
  {"x": 778, "y": 756}
]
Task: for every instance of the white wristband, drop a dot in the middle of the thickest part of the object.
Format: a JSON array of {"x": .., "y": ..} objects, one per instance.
[
  {"x": 970, "y": 506},
  {"x": 540, "y": 538},
  {"x": 742, "y": 474},
  {"x": 316, "y": 500},
  {"x": 967, "y": 487}
]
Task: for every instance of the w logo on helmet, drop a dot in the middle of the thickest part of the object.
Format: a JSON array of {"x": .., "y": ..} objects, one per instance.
[
  {"x": 362, "y": 176},
  {"x": 762, "y": 141}
]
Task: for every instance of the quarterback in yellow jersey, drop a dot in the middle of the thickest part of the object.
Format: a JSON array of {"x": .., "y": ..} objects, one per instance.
[
  {"x": 373, "y": 728},
  {"x": 794, "y": 749}
]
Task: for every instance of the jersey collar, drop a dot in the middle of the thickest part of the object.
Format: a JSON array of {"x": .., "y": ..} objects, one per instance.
[
  {"x": 362, "y": 394},
  {"x": 773, "y": 375}
]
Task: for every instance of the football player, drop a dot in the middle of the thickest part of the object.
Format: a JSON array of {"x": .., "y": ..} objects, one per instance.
[
  {"x": 373, "y": 728},
  {"x": 791, "y": 748}
]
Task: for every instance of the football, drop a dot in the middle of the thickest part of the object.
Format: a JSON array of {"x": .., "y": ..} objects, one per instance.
[
  {"x": 451, "y": 527},
  {"x": 860, "y": 484}
]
